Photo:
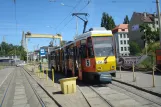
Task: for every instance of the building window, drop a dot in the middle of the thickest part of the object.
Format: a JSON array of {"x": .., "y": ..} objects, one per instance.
[
  {"x": 125, "y": 48},
  {"x": 127, "y": 35},
  {"x": 124, "y": 41},
  {"x": 121, "y": 42},
  {"x": 120, "y": 35},
  {"x": 123, "y": 29},
  {"x": 157, "y": 22},
  {"x": 121, "y": 48},
  {"x": 124, "y": 35}
]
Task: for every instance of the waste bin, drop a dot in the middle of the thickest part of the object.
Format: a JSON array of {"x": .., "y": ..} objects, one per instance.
[{"x": 68, "y": 85}]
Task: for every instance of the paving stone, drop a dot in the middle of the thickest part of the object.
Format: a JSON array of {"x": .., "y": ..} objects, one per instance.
[
  {"x": 125, "y": 103},
  {"x": 18, "y": 93},
  {"x": 97, "y": 102},
  {"x": 91, "y": 95},
  {"x": 19, "y": 96},
  {"x": 114, "y": 97},
  {"x": 21, "y": 105},
  {"x": 108, "y": 91},
  {"x": 19, "y": 87},
  {"x": 20, "y": 101}
]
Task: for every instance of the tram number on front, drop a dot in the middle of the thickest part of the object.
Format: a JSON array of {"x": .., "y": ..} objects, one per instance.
[{"x": 88, "y": 62}]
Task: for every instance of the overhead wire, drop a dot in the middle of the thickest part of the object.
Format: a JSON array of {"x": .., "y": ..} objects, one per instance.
[
  {"x": 68, "y": 15},
  {"x": 89, "y": 1}
]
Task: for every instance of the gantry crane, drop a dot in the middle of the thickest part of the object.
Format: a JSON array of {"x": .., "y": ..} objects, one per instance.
[{"x": 24, "y": 41}]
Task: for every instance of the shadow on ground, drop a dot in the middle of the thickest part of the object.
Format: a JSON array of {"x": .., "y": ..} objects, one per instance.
[{"x": 60, "y": 75}]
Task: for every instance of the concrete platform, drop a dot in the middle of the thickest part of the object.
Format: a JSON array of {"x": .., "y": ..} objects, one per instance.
[{"x": 143, "y": 81}]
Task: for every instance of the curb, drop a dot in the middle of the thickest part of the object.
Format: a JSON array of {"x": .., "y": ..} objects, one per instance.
[{"x": 139, "y": 88}]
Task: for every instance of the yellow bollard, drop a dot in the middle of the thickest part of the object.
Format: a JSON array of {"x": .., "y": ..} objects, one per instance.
[
  {"x": 120, "y": 72},
  {"x": 133, "y": 67},
  {"x": 53, "y": 76},
  {"x": 153, "y": 77},
  {"x": 46, "y": 74}
]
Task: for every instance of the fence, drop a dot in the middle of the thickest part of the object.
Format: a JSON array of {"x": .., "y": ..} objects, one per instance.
[{"x": 134, "y": 79}]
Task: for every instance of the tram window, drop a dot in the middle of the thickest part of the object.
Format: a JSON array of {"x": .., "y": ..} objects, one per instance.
[
  {"x": 90, "y": 48},
  {"x": 83, "y": 52},
  {"x": 90, "y": 52},
  {"x": 67, "y": 54}
]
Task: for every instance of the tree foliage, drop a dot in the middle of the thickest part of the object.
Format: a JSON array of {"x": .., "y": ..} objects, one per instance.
[
  {"x": 10, "y": 50},
  {"x": 134, "y": 48},
  {"x": 107, "y": 21},
  {"x": 126, "y": 20},
  {"x": 149, "y": 35}
]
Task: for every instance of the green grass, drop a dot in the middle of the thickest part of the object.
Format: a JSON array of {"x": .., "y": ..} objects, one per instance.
[{"x": 147, "y": 64}]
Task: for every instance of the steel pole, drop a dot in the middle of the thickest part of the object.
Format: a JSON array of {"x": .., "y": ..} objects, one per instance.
[
  {"x": 76, "y": 26},
  {"x": 158, "y": 11},
  {"x": 27, "y": 49}
]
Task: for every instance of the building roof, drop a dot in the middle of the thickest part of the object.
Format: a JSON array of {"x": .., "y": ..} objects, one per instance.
[
  {"x": 121, "y": 26},
  {"x": 149, "y": 17}
]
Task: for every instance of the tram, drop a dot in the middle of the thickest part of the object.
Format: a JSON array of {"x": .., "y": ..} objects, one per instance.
[{"x": 91, "y": 56}]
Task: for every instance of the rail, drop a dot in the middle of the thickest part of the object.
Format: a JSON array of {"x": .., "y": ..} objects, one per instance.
[
  {"x": 109, "y": 104},
  {"x": 6, "y": 90},
  {"x": 38, "y": 97},
  {"x": 121, "y": 86},
  {"x": 57, "y": 103}
]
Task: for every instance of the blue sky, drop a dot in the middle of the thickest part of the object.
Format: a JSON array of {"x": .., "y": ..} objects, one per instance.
[{"x": 43, "y": 16}]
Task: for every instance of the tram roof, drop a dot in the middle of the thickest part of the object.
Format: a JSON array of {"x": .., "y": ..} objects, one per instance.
[
  {"x": 101, "y": 31},
  {"x": 94, "y": 32}
]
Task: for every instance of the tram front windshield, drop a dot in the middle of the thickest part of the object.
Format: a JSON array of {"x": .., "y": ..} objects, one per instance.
[{"x": 103, "y": 46}]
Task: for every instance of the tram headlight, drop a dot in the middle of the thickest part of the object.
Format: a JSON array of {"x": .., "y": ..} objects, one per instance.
[{"x": 112, "y": 67}]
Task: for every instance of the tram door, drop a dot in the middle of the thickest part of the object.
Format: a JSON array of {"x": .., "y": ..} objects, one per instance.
[{"x": 76, "y": 57}]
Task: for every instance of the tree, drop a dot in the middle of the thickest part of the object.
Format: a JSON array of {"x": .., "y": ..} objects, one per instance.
[
  {"x": 107, "y": 21},
  {"x": 126, "y": 20},
  {"x": 9, "y": 50},
  {"x": 149, "y": 35},
  {"x": 134, "y": 48}
]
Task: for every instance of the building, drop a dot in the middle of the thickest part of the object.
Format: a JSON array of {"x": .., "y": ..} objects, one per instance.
[
  {"x": 120, "y": 33},
  {"x": 136, "y": 20}
]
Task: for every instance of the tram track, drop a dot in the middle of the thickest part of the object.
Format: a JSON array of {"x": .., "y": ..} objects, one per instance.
[
  {"x": 88, "y": 97},
  {"x": 51, "y": 99},
  {"x": 112, "y": 95},
  {"x": 38, "y": 97},
  {"x": 8, "y": 82},
  {"x": 19, "y": 90},
  {"x": 154, "y": 99}
]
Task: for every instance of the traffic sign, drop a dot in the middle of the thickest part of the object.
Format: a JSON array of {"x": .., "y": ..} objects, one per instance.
[{"x": 42, "y": 52}]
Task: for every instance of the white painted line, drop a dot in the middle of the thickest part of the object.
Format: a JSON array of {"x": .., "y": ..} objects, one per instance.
[{"x": 5, "y": 79}]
